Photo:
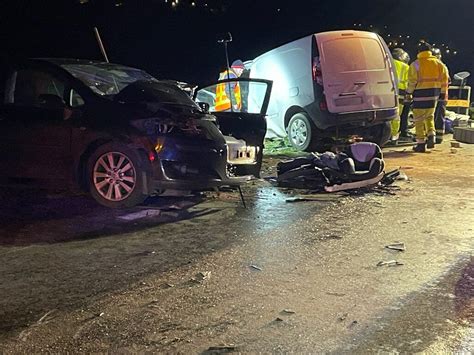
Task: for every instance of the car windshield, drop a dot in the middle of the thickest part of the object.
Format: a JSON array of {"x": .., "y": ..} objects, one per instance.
[{"x": 106, "y": 79}]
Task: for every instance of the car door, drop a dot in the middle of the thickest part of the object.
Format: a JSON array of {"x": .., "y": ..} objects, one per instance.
[
  {"x": 35, "y": 135},
  {"x": 356, "y": 70},
  {"x": 244, "y": 124}
]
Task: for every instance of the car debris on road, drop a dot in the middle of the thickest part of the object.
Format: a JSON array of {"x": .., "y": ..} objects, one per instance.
[
  {"x": 399, "y": 246},
  {"x": 390, "y": 263},
  {"x": 358, "y": 165}
]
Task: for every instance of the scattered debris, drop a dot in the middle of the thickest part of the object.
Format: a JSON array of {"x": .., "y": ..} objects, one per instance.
[
  {"x": 389, "y": 263},
  {"x": 140, "y": 214},
  {"x": 255, "y": 267},
  {"x": 399, "y": 246},
  {"x": 343, "y": 317},
  {"x": 43, "y": 320},
  {"x": 332, "y": 172},
  {"x": 332, "y": 236},
  {"x": 287, "y": 311},
  {"x": 100, "y": 314},
  {"x": 203, "y": 275},
  {"x": 453, "y": 150},
  {"x": 314, "y": 197},
  {"x": 222, "y": 348},
  {"x": 300, "y": 199},
  {"x": 455, "y": 145},
  {"x": 337, "y": 294},
  {"x": 278, "y": 319},
  {"x": 402, "y": 176},
  {"x": 166, "y": 285}
]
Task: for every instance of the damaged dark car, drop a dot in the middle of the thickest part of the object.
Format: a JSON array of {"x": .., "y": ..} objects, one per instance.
[{"x": 119, "y": 133}]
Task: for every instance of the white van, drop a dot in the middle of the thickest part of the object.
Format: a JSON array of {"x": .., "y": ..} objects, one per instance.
[{"x": 329, "y": 85}]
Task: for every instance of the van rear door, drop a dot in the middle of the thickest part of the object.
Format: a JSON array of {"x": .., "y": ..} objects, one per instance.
[{"x": 357, "y": 71}]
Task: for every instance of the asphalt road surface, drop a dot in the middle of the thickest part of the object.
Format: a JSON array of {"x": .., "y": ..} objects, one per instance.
[{"x": 202, "y": 274}]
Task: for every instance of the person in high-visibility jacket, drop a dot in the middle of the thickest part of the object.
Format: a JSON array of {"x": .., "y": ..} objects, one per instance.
[
  {"x": 400, "y": 61},
  {"x": 228, "y": 95},
  {"x": 440, "y": 112},
  {"x": 427, "y": 82}
]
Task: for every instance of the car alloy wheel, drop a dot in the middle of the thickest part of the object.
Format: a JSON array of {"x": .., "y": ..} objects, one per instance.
[{"x": 114, "y": 176}]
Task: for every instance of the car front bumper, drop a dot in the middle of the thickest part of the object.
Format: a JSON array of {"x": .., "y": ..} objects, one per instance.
[{"x": 187, "y": 164}]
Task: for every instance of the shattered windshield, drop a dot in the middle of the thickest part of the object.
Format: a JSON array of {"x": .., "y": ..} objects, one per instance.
[{"x": 106, "y": 79}]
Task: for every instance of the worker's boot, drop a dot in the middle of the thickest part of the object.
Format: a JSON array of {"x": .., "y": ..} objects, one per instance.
[
  {"x": 419, "y": 148},
  {"x": 430, "y": 143}
]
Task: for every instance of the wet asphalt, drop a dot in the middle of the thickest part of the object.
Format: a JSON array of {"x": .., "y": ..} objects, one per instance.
[{"x": 276, "y": 277}]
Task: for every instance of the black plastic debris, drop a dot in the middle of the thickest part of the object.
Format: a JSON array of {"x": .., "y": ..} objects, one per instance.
[{"x": 358, "y": 165}]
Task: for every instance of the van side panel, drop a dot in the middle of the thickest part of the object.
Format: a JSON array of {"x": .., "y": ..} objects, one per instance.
[
  {"x": 357, "y": 72},
  {"x": 290, "y": 68}
]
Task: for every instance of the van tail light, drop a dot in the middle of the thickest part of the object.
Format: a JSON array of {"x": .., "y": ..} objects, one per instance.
[
  {"x": 317, "y": 74},
  {"x": 323, "y": 105}
]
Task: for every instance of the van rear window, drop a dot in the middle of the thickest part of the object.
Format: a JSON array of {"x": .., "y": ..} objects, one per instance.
[{"x": 353, "y": 54}]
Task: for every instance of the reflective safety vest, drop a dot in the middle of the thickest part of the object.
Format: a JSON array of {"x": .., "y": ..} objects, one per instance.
[
  {"x": 401, "y": 69},
  {"x": 427, "y": 81},
  {"x": 223, "y": 91}
]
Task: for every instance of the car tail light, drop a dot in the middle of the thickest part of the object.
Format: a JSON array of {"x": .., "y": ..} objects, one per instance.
[{"x": 151, "y": 157}]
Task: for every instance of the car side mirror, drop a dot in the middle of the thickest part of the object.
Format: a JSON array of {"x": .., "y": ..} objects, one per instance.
[
  {"x": 52, "y": 102},
  {"x": 204, "y": 106}
]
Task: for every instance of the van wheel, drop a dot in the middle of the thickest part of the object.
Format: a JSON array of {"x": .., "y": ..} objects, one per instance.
[
  {"x": 381, "y": 133},
  {"x": 301, "y": 132}
]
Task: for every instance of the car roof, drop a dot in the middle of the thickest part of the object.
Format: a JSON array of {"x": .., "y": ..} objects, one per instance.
[
  {"x": 61, "y": 61},
  {"x": 69, "y": 61}
]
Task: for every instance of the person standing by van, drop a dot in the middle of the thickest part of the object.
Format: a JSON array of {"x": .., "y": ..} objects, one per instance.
[
  {"x": 440, "y": 112},
  {"x": 400, "y": 124},
  {"x": 427, "y": 82},
  {"x": 228, "y": 95}
]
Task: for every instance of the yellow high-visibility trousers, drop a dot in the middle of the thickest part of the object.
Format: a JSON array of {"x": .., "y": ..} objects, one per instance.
[
  {"x": 395, "y": 123},
  {"x": 424, "y": 123}
]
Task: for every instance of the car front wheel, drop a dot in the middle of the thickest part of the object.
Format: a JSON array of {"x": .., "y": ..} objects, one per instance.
[{"x": 114, "y": 176}]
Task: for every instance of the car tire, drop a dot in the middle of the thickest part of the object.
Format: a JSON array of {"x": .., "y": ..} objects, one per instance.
[
  {"x": 301, "y": 132},
  {"x": 115, "y": 177}
]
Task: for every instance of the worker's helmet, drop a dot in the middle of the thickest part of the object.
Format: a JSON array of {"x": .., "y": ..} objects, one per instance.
[
  {"x": 401, "y": 55},
  {"x": 437, "y": 53},
  {"x": 238, "y": 64},
  {"x": 424, "y": 46}
]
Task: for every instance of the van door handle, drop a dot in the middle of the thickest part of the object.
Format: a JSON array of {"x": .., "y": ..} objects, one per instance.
[
  {"x": 348, "y": 94},
  {"x": 382, "y": 82},
  {"x": 360, "y": 83}
]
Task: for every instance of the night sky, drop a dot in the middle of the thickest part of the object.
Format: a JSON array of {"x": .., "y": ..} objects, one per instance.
[{"x": 179, "y": 41}]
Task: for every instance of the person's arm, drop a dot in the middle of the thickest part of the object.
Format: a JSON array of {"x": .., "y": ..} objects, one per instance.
[
  {"x": 412, "y": 81},
  {"x": 412, "y": 78}
]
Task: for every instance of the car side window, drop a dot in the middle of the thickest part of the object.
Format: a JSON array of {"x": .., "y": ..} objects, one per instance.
[
  {"x": 75, "y": 100},
  {"x": 30, "y": 84}
]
